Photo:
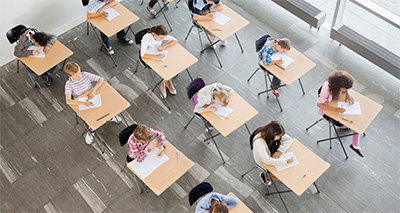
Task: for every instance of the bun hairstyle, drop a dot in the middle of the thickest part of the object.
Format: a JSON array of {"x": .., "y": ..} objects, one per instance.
[
  {"x": 337, "y": 80},
  {"x": 158, "y": 30}
]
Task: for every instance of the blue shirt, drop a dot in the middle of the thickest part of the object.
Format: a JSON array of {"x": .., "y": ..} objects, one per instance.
[
  {"x": 205, "y": 202},
  {"x": 199, "y": 6}
]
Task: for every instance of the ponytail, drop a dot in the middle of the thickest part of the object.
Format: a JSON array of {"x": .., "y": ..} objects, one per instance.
[{"x": 158, "y": 30}]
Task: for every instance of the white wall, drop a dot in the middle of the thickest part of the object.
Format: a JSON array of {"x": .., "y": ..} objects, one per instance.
[{"x": 52, "y": 16}]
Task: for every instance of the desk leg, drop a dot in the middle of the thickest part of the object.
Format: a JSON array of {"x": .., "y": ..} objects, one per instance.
[
  {"x": 301, "y": 85},
  {"x": 278, "y": 192},
  {"x": 94, "y": 137},
  {"x": 130, "y": 28},
  {"x": 37, "y": 85},
  {"x": 277, "y": 99},
  {"x": 240, "y": 45},
  {"x": 190, "y": 76},
  {"x": 17, "y": 65},
  {"x": 188, "y": 181},
  {"x": 147, "y": 194},
  {"x": 103, "y": 45},
  {"x": 245, "y": 124},
  {"x": 211, "y": 46},
  {"x": 316, "y": 187},
  {"x": 162, "y": 11},
  {"x": 123, "y": 117}
]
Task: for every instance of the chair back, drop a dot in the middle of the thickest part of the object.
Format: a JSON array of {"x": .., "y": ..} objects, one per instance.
[
  {"x": 252, "y": 138},
  {"x": 139, "y": 35},
  {"x": 85, "y": 2},
  {"x": 126, "y": 133},
  {"x": 260, "y": 42},
  {"x": 190, "y": 5},
  {"x": 319, "y": 90},
  {"x": 198, "y": 191},
  {"x": 14, "y": 33},
  {"x": 194, "y": 87}
]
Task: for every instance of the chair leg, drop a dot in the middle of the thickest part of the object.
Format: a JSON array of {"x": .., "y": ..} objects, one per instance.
[
  {"x": 314, "y": 124},
  {"x": 189, "y": 121},
  {"x": 248, "y": 171},
  {"x": 87, "y": 28},
  {"x": 189, "y": 32},
  {"x": 253, "y": 74}
]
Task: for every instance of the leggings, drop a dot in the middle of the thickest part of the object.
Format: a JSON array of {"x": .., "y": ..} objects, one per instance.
[
  {"x": 152, "y": 3},
  {"x": 356, "y": 137}
]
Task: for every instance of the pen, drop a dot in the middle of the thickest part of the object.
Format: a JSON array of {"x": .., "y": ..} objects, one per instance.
[
  {"x": 301, "y": 179},
  {"x": 347, "y": 120},
  {"x": 161, "y": 65},
  {"x": 217, "y": 29},
  {"x": 104, "y": 12},
  {"x": 177, "y": 154},
  {"x": 103, "y": 116},
  {"x": 224, "y": 117},
  {"x": 278, "y": 65}
]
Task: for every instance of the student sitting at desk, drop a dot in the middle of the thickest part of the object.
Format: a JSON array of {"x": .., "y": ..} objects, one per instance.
[
  {"x": 202, "y": 10},
  {"x": 216, "y": 203},
  {"x": 78, "y": 84},
  {"x": 140, "y": 145},
  {"x": 95, "y": 9},
  {"x": 272, "y": 46},
  {"x": 31, "y": 36},
  {"x": 268, "y": 144},
  {"x": 213, "y": 93},
  {"x": 338, "y": 83},
  {"x": 153, "y": 40}
]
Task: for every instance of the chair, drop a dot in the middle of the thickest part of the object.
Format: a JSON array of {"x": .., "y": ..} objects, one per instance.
[
  {"x": 85, "y": 3},
  {"x": 138, "y": 41},
  {"x": 123, "y": 139},
  {"x": 199, "y": 191},
  {"x": 13, "y": 36}
]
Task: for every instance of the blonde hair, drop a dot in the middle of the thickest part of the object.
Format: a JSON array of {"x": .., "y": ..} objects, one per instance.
[
  {"x": 71, "y": 68},
  {"x": 143, "y": 133},
  {"x": 223, "y": 96},
  {"x": 284, "y": 43}
]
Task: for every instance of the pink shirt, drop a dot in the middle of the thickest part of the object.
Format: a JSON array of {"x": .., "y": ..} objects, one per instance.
[
  {"x": 325, "y": 97},
  {"x": 77, "y": 88},
  {"x": 138, "y": 149}
]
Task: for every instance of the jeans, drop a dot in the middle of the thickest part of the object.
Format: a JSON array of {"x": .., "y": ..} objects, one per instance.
[
  {"x": 121, "y": 35},
  {"x": 276, "y": 83}
]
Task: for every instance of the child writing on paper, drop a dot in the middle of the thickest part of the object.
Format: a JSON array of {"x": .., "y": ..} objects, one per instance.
[
  {"x": 213, "y": 93},
  {"x": 78, "y": 84},
  {"x": 153, "y": 40},
  {"x": 216, "y": 203},
  {"x": 337, "y": 84},
  {"x": 140, "y": 145},
  {"x": 268, "y": 144},
  {"x": 31, "y": 36},
  {"x": 203, "y": 10},
  {"x": 272, "y": 46}
]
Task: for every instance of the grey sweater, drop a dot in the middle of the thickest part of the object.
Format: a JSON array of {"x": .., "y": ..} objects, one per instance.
[
  {"x": 23, "y": 43},
  {"x": 206, "y": 96}
]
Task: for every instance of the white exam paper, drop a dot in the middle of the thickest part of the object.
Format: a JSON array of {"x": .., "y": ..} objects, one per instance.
[
  {"x": 221, "y": 18},
  {"x": 150, "y": 163},
  {"x": 96, "y": 101},
  {"x": 111, "y": 13},
  {"x": 286, "y": 156},
  {"x": 286, "y": 59},
  {"x": 354, "y": 109},
  {"x": 154, "y": 51},
  {"x": 41, "y": 54},
  {"x": 222, "y": 112}
]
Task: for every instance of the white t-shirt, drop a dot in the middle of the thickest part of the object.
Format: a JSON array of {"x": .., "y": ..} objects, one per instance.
[{"x": 148, "y": 42}]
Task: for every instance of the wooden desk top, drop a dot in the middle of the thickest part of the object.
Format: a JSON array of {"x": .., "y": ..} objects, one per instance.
[
  {"x": 112, "y": 104},
  {"x": 236, "y": 23},
  {"x": 165, "y": 175},
  {"x": 58, "y": 53},
  {"x": 309, "y": 164},
  {"x": 177, "y": 60},
  {"x": 242, "y": 112},
  {"x": 240, "y": 207},
  {"x": 300, "y": 66},
  {"x": 369, "y": 110},
  {"x": 109, "y": 28}
]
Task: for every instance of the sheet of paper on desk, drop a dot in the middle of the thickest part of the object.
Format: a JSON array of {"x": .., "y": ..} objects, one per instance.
[
  {"x": 111, "y": 13},
  {"x": 150, "y": 163},
  {"x": 96, "y": 101},
  {"x": 354, "y": 109},
  {"x": 221, "y": 18},
  {"x": 286, "y": 59},
  {"x": 154, "y": 51},
  {"x": 286, "y": 156},
  {"x": 222, "y": 112},
  {"x": 41, "y": 54}
]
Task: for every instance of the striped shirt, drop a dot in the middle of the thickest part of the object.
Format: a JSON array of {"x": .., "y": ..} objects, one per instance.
[
  {"x": 77, "y": 88},
  {"x": 138, "y": 149},
  {"x": 95, "y": 5}
]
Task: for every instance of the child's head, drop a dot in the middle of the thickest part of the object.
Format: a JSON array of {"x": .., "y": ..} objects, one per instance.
[
  {"x": 283, "y": 45},
  {"x": 40, "y": 39},
  {"x": 211, "y": 1},
  {"x": 73, "y": 70},
  {"x": 221, "y": 97},
  {"x": 220, "y": 208},
  {"x": 159, "y": 32},
  {"x": 339, "y": 82},
  {"x": 143, "y": 133}
]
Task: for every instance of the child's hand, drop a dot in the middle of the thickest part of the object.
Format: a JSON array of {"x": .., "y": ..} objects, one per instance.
[
  {"x": 340, "y": 110},
  {"x": 277, "y": 154},
  {"x": 152, "y": 144},
  {"x": 36, "y": 52},
  {"x": 161, "y": 152},
  {"x": 160, "y": 48},
  {"x": 211, "y": 15},
  {"x": 46, "y": 50},
  {"x": 91, "y": 94},
  {"x": 212, "y": 109},
  {"x": 280, "y": 61},
  {"x": 290, "y": 160},
  {"x": 349, "y": 100},
  {"x": 162, "y": 55},
  {"x": 88, "y": 103}
]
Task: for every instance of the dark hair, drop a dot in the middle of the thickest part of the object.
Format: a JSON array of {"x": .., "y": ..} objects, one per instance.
[
  {"x": 41, "y": 38},
  {"x": 269, "y": 132},
  {"x": 337, "y": 80},
  {"x": 217, "y": 207},
  {"x": 158, "y": 30}
]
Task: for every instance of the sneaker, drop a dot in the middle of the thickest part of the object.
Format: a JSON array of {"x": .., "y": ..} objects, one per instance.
[
  {"x": 151, "y": 11},
  {"x": 224, "y": 42},
  {"x": 110, "y": 51},
  {"x": 357, "y": 151},
  {"x": 116, "y": 119},
  {"x": 128, "y": 41},
  {"x": 276, "y": 93},
  {"x": 264, "y": 180},
  {"x": 89, "y": 137}
]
